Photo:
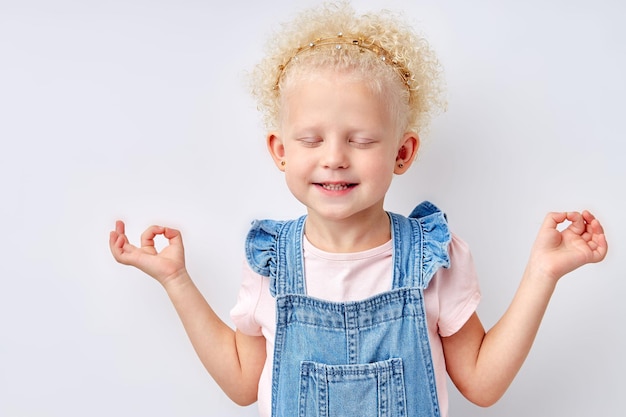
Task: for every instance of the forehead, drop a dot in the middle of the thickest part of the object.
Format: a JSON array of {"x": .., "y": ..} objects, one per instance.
[
  {"x": 333, "y": 97},
  {"x": 356, "y": 87},
  {"x": 342, "y": 79}
]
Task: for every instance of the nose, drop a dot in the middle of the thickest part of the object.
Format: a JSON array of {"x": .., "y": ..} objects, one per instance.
[{"x": 335, "y": 154}]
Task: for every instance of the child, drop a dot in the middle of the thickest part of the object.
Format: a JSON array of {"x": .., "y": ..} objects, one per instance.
[{"x": 352, "y": 310}]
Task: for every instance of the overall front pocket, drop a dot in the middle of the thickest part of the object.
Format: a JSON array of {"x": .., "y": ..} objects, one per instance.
[{"x": 373, "y": 389}]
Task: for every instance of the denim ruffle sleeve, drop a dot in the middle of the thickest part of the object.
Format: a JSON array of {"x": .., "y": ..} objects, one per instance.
[
  {"x": 261, "y": 246},
  {"x": 273, "y": 249},
  {"x": 435, "y": 240}
]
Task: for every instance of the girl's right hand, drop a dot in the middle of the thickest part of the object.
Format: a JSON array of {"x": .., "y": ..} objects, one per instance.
[{"x": 163, "y": 266}]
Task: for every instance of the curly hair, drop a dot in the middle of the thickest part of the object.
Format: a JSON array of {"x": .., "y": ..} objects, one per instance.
[{"x": 413, "y": 77}]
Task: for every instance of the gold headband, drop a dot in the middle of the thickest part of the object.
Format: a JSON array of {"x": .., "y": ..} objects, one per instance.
[{"x": 339, "y": 41}]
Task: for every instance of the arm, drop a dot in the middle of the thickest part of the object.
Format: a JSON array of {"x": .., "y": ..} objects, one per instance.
[
  {"x": 233, "y": 359},
  {"x": 483, "y": 364}
]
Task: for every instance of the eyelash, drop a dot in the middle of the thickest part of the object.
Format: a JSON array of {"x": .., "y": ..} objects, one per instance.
[
  {"x": 362, "y": 143},
  {"x": 310, "y": 142},
  {"x": 316, "y": 141}
]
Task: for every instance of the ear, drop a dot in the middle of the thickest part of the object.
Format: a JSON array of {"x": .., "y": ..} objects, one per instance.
[
  {"x": 409, "y": 145},
  {"x": 276, "y": 149}
]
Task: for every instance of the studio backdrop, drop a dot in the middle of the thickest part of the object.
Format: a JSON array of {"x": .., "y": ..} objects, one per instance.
[{"x": 139, "y": 110}]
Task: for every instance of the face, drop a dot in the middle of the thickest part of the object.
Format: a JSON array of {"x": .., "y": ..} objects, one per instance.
[{"x": 339, "y": 147}]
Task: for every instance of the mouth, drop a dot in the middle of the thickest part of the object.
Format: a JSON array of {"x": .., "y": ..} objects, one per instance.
[{"x": 336, "y": 186}]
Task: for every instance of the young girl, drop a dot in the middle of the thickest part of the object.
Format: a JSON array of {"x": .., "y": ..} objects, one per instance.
[{"x": 352, "y": 310}]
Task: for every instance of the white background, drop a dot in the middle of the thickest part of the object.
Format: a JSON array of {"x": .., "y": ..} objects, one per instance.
[{"x": 139, "y": 110}]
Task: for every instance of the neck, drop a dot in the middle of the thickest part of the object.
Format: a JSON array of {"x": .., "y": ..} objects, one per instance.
[{"x": 346, "y": 236}]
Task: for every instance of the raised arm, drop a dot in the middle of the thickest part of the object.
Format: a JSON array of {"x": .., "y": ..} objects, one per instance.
[
  {"x": 483, "y": 365},
  {"x": 233, "y": 359}
]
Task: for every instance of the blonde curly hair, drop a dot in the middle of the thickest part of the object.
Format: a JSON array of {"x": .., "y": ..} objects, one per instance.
[{"x": 411, "y": 80}]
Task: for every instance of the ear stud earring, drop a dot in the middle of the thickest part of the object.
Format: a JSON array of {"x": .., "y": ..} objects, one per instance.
[
  {"x": 283, "y": 163},
  {"x": 400, "y": 165}
]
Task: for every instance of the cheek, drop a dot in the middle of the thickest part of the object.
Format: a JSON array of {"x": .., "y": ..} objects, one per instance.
[
  {"x": 380, "y": 170},
  {"x": 384, "y": 163},
  {"x": 295, "y": 172}
]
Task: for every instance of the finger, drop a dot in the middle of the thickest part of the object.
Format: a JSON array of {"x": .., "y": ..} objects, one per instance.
[
  {"x": 173, "y": 235},
  {"x": 147, "y": 237},
  {"x": 120, "y": 228},
  {"x": 113, "y": 242},
  {"x": 120, "y": 247},
  {"x": 596, "y": 227},
  {"x": 593, "y": 223},
  {"x": 553, "y": 219},
  {"x": 596, "y": 235},
  {"x": 117, "y": 237},
  {"x": 577, "y": 222},
  {"x": 588, "y": 216},
  {"x": 113, "y": 235},
  {"x": 119, "y": 231}
]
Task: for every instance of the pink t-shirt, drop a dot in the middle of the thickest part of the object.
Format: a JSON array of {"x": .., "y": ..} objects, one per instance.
[{"x": 450, "y": 299}]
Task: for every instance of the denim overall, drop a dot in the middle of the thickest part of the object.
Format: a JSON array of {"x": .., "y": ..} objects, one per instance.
[{"x": 366, "y": 358}]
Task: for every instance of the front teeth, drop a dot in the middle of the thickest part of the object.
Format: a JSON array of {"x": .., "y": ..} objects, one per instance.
[{"x": 335, "y": 187}]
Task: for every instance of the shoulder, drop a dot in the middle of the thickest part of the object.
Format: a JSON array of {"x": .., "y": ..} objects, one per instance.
[
  {"x": 433, "y": 224},
  {"x": 424, "y": 232},
  {"x": 262, "y": 240}
]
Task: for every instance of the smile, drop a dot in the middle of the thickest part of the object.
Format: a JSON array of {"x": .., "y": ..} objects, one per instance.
[{"x": 336, "y": 187}]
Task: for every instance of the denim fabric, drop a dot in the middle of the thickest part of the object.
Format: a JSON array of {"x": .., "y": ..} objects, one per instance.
[{"x": 360, "y": 358}]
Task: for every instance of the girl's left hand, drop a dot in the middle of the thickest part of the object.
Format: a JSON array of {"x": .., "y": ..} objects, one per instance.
[{"x": 558, "y": 252}]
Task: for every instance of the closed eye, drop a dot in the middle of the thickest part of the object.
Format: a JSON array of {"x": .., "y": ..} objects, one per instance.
[
  {"x": 362, "y": 142},
  {"x": 310, "y": 141}
]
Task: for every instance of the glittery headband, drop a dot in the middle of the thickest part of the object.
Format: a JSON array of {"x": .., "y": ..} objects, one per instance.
[{"x": 339, "y": 41}]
